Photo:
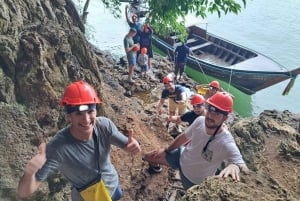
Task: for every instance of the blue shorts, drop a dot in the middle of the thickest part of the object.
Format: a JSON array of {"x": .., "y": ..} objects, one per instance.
[
  {"x": 131, "y": 61},
  {"x": 173, "y": 160},
  {"x": 144, "y": 68},
  {"x": 118, "y": 194}
]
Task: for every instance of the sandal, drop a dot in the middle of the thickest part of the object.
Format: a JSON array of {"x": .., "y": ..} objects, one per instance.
[{"x": 154, "y": 169}]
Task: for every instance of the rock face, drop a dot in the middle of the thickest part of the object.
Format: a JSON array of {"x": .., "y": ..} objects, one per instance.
[{"x": 43, "y": 49}]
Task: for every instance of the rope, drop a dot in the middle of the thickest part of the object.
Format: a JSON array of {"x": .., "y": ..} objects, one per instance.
[
  {"x": 229, "y": 83},
  {"x": 202, "y": 71}
]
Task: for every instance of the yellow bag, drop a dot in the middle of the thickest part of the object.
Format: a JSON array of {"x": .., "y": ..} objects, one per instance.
[
  {"x": 96, "y": 192},
  {"x": 202, "y": 89}
]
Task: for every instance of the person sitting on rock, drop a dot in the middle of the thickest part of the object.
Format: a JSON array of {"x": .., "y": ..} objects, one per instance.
[{"x": 203, "y": 146}]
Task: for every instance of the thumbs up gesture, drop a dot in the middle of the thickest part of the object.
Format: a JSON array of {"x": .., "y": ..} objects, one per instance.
[
  {"x": 133, "y": 145},
  {"x": 37, "y": 161}
]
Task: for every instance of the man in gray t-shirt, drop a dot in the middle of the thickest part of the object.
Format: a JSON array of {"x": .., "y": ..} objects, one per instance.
[{"x": 81, "y": 151}]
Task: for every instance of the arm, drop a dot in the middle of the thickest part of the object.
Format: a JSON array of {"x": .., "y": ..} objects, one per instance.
[
  {"x": 28, "y": 183},
  {"x": 235, "y": 162},
  {"x": 178, "y": 141},
  {"x": 234, "y": 170},
  {"x": 133, "y": 145},
  {"x": 174, "y": 119},
  {"x": 160, "y": 105},
  {"x": 183, "y": 98},
  {"x": 126, "y": 14},
  {"x": 159, "y": 156}
]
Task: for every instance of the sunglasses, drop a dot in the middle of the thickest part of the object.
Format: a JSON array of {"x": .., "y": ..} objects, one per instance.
[
  {"x": 215, "y": 111},
  {"x": 167, "y": 86},
  {"x": 198, "y": 105},
  {"x": 214, "y": 88}
]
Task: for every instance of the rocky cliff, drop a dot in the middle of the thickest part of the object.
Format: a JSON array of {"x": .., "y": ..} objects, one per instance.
[{"x": 43, "y": 49}]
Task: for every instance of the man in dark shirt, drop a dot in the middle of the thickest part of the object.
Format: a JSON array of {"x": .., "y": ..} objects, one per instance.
[{"x": 181, "y": 53}]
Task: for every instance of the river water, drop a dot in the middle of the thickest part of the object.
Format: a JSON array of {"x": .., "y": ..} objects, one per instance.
[{"x": 271, "y": 27}]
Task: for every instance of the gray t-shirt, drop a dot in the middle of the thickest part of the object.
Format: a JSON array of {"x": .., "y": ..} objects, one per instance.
[
  {"x": 128, "y": 42},
  {"x": 76, "y": 159}
]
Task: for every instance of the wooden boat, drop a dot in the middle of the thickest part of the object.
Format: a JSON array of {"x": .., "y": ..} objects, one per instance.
[{"x": 245, "y": 69}]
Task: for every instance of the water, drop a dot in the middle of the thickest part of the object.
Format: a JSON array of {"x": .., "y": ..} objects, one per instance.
[{"x": 271, "y": 27}]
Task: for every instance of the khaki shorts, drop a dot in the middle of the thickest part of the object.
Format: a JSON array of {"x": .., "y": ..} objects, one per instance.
[{"x": 180, "y": 107}]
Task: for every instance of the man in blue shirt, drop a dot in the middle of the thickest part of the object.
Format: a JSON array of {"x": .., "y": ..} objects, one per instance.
[
  {"x": 181, "y": 53},
  {"x": 176, "y": 94}
]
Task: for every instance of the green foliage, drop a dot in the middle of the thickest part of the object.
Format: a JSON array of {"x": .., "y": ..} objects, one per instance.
[
  {"x": 113, "y": 6},
  {"x": 166, "y": 16}
]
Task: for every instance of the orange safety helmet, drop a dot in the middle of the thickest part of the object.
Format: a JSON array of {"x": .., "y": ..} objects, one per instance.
[
  {"x": 79, "y": 93},
  {"x": 197, "y": 99},
  {"x": 222, "y": 101},
  {"x": 144, "y": 50},
  {"x": 167, "y": 79},
  {"x": 215, "y": 84}
]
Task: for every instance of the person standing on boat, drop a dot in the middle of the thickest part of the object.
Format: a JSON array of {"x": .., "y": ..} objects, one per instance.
[
  {"x": 181, "y": 53},
  {"x": 131, "y": 49},
  {"x": 146, "y": 41},
  {"x": 81, "y": 151},
  {"x": 199, "y": 151},
  {"x": 134, "y": 23},
  {"x": 177, "y": 96}
]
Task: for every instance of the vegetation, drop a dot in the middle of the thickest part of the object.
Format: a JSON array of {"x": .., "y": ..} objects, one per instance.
[{"x": 166, "y": 16}]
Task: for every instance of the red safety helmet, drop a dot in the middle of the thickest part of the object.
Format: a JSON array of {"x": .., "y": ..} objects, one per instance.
[
  {"x": 215, "y": 84},
  {"x": 79, "y": 93},
  {"x": 197, "y": 99},
  {"x": 167, "y": 79},
  {"x": 221, "y": 100}
]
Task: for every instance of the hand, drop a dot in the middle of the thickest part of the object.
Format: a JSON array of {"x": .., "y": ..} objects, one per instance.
[
  {"x": 37, "y": 161},
  {"x": 156, "y": 157},
  {"x": 232, "y": 170},
  {"x": 133, "y": 145}
]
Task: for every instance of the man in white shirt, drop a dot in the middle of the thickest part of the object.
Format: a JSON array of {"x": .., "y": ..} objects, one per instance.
[{"x": 203, "y": 146}]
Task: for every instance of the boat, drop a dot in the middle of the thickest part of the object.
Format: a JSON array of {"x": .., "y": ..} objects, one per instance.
[{"x": 243, "y": 68}]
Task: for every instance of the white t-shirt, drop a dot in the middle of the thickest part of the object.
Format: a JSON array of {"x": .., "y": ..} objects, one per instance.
[{"x": 222, "y": 148}]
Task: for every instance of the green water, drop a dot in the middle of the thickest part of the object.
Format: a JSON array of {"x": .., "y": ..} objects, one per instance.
[
  {"x": 269, "y": 27},
  {"x": 242, "y": 102}
]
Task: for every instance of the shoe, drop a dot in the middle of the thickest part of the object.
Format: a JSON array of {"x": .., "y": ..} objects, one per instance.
[
  {"x": 131, "y": 81},
  {"x": 154, "y": 169},
  {"x": 179, "y": 129}
]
